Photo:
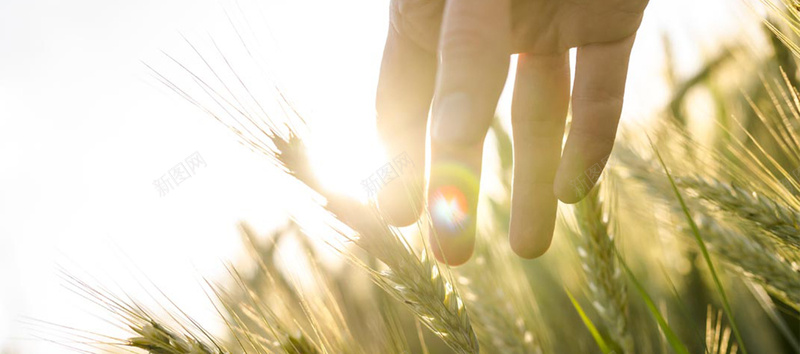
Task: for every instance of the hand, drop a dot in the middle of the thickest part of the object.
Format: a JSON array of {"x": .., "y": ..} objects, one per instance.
[{"x": 471, "y": 41}]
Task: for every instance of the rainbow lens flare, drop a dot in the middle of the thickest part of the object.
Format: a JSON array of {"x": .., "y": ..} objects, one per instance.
[
  {"x": 449, "y": 209},
  {"x": 452, "y": 199}
]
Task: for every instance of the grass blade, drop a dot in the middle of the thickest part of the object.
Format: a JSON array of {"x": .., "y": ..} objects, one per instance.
[
  {"x": 672, "y": 338},
  {"x": 589, "y": 325},
  {"x": 696, "y": 232}
]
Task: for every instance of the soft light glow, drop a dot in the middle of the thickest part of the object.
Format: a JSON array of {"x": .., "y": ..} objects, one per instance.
[
  {"x": 341, "y": 159},
  {"x": 449, "y": 209}
]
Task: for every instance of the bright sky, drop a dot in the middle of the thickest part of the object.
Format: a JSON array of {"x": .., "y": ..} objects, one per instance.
[{"x": 84, "y": 132}]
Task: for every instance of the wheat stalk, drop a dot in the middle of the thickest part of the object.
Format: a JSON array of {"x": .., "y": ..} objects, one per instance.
[
  {"x": 417, "y": 281},
  {"x": 739, "y": 246},
  {"x": 599, "y": 261},
  {"x": 778, "y": 219},
  {"x": 507, "y": 312},
  {"x": 718, "y": 338},
  {"x": 751, "y": 258},
  {"x": 147, "y": 331},
  {"x": 158, "y": 339}
]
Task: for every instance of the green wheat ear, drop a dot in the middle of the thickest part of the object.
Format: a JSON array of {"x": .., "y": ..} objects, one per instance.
[
  {"x": 157, "y": 339},
  {"x": 774, "y": 217},
  {"x": 597, "y": 252}
]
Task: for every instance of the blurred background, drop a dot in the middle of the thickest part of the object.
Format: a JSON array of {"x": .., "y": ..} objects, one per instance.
[{"x": 85, "y": 130}]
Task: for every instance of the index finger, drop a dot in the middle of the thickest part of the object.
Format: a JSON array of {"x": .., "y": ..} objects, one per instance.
[{"x": 474, "y": 49}]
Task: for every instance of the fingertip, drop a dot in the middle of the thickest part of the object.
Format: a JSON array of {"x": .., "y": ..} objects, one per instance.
[
  {"x": 452, "y": 204},
  {"x": 533, "y": 217},
  {"x": 399, "y": 213},
  {"x": 452, "y": 253},
  {"x": 528, "y": 250},
  {"x": 577, "y": 175},
  {"x": 570, "y": 194},
  {"x": 401, "y": 202},
  {"x": 451, "y": 243}
]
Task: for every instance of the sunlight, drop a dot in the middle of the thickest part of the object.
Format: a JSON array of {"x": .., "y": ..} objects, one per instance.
[{"x": 345, "y": 155}]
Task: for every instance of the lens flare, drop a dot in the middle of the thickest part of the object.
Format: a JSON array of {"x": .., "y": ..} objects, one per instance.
[
  {"x": 452, "y": 199},
  {"x": 449, "y": 209}
]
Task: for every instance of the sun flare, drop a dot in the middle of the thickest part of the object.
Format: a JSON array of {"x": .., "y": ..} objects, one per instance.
[
  {"x": 449, "y": 208},
  {"x": 344, "y": 156}
]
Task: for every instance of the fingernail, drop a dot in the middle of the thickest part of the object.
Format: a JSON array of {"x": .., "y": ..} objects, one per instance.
[{"x": 452, "y": 120}]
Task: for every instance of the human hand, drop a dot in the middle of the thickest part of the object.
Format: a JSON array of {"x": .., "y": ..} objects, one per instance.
[{"x": 456, "y": 54}]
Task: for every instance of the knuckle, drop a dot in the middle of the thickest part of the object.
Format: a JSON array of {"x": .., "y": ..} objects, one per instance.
[
  {"x": 468, "y": 31},
  {"x": 530, "y": 125},
  {"x": 599, "y": 98},
  {"x": 464, "y": 40},
  {"x": 417, "y": 20}
]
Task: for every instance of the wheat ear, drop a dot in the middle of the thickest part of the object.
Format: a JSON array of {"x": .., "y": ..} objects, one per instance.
[
  {"x": 509, "y": 320},
  {"x": 147, "y": 332},
  {"x": 778, "y": 219},
  {"x": 741, "y": 248},
  {"x": 751, "y": 258},
  {"x": 158, "y": 339},
  {"x": 417, "y": 281},
  {"x": 599, "y": 260}
]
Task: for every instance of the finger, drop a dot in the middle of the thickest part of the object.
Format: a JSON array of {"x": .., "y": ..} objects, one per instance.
[
  {"x": 474, "y": 50},
  {"x": 405, "y": 90},
  {"x": 600, "y": 75},
  {"x": 538, "y": 112}
]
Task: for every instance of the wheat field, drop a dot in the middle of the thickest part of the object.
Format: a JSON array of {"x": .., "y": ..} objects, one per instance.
[{"x": 689, "y": 244}]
